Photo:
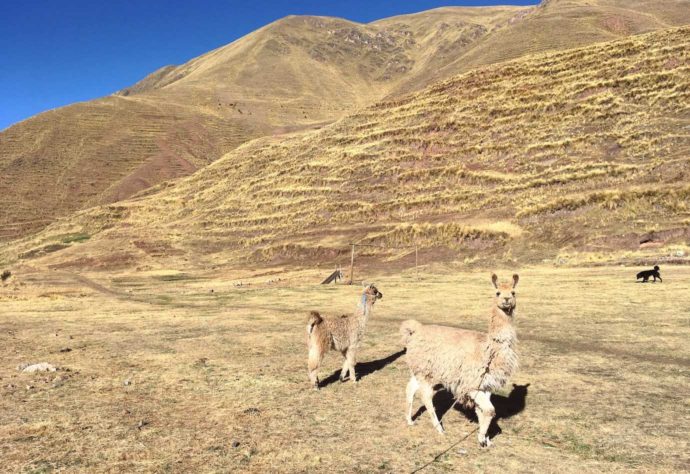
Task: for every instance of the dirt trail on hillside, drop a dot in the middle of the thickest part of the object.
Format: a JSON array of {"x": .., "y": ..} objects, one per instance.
[{"x": 89, "y": 283}]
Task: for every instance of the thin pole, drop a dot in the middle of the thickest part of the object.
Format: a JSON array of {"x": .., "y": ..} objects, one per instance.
[
  {"x": 352, "y": 265},
  {"x": 416, "y": 268}
]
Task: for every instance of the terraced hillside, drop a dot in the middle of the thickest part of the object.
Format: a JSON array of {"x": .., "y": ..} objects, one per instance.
[
  {"x": 102, "y": 151},
  {"x": 297, "y": 73},
  {"x": 585, "y": 150},
  {"x": 555, "y": 25}
]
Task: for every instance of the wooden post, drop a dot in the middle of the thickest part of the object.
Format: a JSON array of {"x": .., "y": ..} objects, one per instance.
[
  {"x": 352, "y": 265},
  {"x": 416, "y": 270}
]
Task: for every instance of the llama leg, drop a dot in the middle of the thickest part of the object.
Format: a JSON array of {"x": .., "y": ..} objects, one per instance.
[
  {"x": 315, "y": 357},
  {"x": 412, "y": 387},
  {"x": 351, "y": 363},
  {"x": 485, "y": 413},
  {"x": 428, "y": 398},
  {"x": 346, "y": 366}
]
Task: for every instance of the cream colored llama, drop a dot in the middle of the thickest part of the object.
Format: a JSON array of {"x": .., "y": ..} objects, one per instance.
[
  {"x": 469, "y": 364},
  {"x": 340, "y": 333}
]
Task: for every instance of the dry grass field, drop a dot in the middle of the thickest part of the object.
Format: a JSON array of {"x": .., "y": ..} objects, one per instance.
[
  {"x": 166, "y": 245},
  {"x": 173, "y": 372}
]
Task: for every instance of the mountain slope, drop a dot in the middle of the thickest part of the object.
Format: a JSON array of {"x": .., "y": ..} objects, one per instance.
[
  {"x": 556, "y": 25},
  {"x": 296, "y": 73},
  {"x": 578, "y": 151}
]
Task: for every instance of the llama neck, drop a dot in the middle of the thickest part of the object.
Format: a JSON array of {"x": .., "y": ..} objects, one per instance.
[
  {"x": 363, "y": 312},
  {"x": 500, "y": 356},
  {"x": 501, "y": 329}
]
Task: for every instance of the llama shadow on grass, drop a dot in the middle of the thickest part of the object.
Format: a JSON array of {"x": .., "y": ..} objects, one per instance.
[
  {"x": 364, "y": 368},
  {"x": 506, "y": 407}
]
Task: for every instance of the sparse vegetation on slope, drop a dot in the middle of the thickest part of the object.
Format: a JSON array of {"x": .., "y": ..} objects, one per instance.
[
  {"x": 585, "y": 149},
  {"x": 557, "y": 25},
  {"x": 296, "y": 73}
]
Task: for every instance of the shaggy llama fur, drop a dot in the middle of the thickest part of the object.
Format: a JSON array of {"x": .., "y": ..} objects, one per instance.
[
  {"x": 340, "y": 333},
  {"x": 469, "y": 364}
]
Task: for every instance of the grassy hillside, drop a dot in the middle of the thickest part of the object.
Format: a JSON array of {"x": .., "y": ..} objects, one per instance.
[
  {"x": 296, "y": 73},
  {"x": 545, "y": 157},
  {"x": 557, "y": 25},
  {"x": 103, "y": 151}
]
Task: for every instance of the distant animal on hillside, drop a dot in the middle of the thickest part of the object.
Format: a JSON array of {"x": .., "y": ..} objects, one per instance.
[
  {"x": 469, "y": 364},
  {"x": 340, "y": 333},
  {"x": 646, "y": 274}
]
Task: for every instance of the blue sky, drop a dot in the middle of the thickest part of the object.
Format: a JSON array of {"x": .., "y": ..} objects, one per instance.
[{"x": 56, "y": 53}]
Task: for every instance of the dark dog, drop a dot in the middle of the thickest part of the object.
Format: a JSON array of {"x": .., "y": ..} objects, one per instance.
[{"x": 650, "y": 273}]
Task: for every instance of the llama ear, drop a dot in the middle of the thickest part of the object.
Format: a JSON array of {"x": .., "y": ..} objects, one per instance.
[
  {"x": 494, "y": 280},
  {"x": 516, "y": 278}
]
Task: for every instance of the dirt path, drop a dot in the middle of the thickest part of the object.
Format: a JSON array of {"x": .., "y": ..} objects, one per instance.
[{"x": 89, "y": 283}]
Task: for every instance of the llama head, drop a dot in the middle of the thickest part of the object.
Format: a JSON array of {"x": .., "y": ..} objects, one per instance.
[
  {"x": 505, "y": 293},
  {"x": 371, "y": 293},
  {"x": 656, "y": 268}
]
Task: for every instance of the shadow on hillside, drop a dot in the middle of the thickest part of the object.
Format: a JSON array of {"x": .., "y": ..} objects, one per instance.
[
  {"x": 506, "y": 407},
  {"x": 364, "y": 368}
]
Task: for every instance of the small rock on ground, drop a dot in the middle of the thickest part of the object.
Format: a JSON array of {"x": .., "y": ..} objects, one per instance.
[{"x": 40, "y": 367}]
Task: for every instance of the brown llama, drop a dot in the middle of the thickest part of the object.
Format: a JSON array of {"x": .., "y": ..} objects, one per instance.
[
  {"x": 340, "y": 333},
  {"x": 469, "y": 364}
]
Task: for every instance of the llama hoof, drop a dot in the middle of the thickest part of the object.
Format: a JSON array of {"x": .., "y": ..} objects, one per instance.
[
  {"x": 410, "y": 422},
  {"x": 485, "y": 443},
  {"x": 440, "y": 429}
]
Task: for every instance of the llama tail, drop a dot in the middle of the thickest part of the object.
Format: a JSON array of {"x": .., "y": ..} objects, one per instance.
[
  {"x": 407, "y": 330},
  {"x": 314, "y": 320}
]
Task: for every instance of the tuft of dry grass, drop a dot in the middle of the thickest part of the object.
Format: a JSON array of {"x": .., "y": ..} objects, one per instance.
[{"x": 451, "y": 235}]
